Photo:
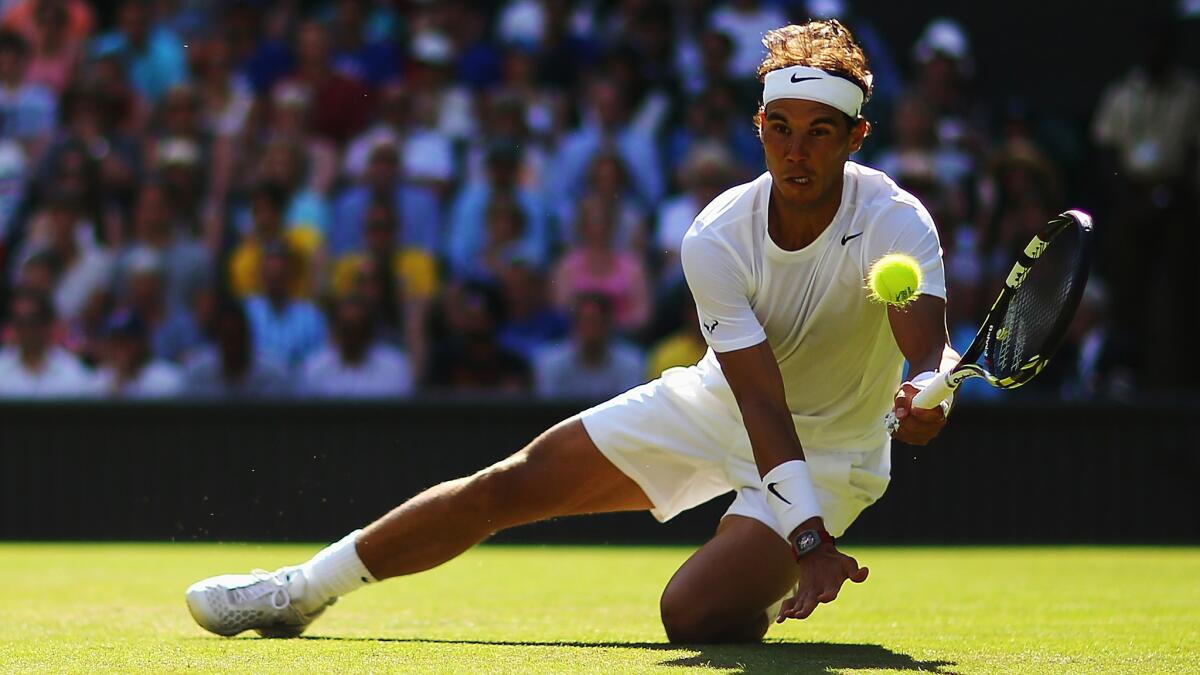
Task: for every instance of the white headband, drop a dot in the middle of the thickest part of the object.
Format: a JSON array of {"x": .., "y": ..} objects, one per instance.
[{"x": 814, "y": 84}]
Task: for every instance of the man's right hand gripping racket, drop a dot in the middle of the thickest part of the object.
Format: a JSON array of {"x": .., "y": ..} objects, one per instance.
[{"x": 1027, "y": 322}]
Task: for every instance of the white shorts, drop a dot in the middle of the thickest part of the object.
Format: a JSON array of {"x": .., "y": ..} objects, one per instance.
[{"x": 683, "y": 447}]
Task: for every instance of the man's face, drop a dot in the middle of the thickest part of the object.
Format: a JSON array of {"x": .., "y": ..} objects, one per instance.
[
  {"x": 134, "y": 21},
  {"x": 12, "y": 64},
  {"x": 383, "y": 169},
  {"x": 503, "y": 224},
  {"x": 146, "y": 290},
  {"x": 61, "y": 220},
  {"x": 125, "y": 351},
  {"x": 502, "y": 173},
  {"x": 32, "y": 331},
  {"x": 276, "y": 274},
  {"x": 232, "y": 336},
  {"x": 281, "y": 165},
  {"x": 267, "y": 218},
  {"x": 477, "y": 320},
  {"x": 152, "y": 216},
  {"x": 182, "y": 113},
  {"x": 313, "y": 46},
  {"x": 591, "y": 326},
  {"x": 606, "y": 101},
  {"x": 394, "y": 103},
  {"x": 522, "y": 288},
  {"x": 806, "y": 145},
  {"x": 353, "y": 327},
  {"x": 380, "y": 231},
  {"x": 37, "y": 275}
]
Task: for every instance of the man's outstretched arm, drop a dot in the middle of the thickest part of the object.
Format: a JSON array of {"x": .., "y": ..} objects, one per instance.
[
  {"x": 920, "y": 331},
  {"x": 753, "y": 375}
]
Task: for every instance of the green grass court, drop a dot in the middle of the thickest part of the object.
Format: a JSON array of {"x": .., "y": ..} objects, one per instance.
[{"x": 528, "y": 609}]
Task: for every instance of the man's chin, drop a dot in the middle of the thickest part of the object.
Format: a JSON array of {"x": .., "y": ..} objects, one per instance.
[{"x": 800, "y": 195}]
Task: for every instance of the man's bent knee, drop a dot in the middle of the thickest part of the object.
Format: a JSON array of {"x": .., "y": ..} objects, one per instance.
[{"x": 691, "y": 621}]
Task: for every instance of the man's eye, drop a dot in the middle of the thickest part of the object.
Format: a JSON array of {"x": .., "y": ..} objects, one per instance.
[
  {"x": 818, "y": 132},
  {"x": 781, "y": 129}
]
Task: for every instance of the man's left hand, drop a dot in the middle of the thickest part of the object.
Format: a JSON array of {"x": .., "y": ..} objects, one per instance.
[
  {"x": 822, "y": 574},
  {"x": 918, "y": 426}
]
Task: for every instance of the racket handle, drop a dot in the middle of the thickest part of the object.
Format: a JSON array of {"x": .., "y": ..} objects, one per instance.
[
  {"x": 935, "y": 392},
  {"x": 938, "y": 390}
]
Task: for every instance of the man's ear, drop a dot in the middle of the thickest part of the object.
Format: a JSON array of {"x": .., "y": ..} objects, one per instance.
[{"x": 859, "y": 133}]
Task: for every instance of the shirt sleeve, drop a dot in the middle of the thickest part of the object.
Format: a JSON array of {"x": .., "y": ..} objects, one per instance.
[
  {"x": 721, "y": 289},
  {"x": 910, "y": 230},
  {"x": 418, "y": 270}
]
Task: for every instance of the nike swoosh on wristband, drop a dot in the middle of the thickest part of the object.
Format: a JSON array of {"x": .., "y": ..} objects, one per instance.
[
  {"x": 846, "y": 238},
  {"x": 803, "y": 79},
  {"x": 771, "y": 487}
]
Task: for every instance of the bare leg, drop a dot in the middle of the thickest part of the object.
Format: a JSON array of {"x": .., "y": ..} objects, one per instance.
[
  {"x": 560, "y": 473},
  {"x": 721, "y": 593}
]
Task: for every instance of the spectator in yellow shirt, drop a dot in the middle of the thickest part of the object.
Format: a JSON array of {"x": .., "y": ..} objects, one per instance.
[
  {"x": 267, "y": 204},
  {"x": 400, "y": 280}
]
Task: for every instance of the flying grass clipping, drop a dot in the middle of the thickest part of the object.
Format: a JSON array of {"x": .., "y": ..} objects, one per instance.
[{"x": 894, "y": 279}]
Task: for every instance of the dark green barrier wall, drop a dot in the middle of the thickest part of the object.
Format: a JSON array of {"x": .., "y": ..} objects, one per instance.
[{"x": 314, "y": 471}]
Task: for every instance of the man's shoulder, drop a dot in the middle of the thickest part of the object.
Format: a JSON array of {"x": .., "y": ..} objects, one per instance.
[
  {"x": 322, "y": 362},
  {"x": 63, "y": 361},
  {"x": 8, "y": 359},
  {"x": 733, "y": 205},
  {"x": 883, "y": 203},
  {"x": 385, "y": 356},
  {"x": 627, "y": 356},
  {"x": 729, "y": 212},
  {"x": 161, "y": 377},
  {"x": 555, "y": 356}
]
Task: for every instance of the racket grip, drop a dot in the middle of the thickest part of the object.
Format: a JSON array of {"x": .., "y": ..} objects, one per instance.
[{"x": 935, "y": 392}]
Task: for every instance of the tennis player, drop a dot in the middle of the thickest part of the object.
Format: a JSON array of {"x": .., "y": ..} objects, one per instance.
[{"x": 786, "y": 409}]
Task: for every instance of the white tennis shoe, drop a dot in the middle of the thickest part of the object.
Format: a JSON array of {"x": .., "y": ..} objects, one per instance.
[{"x": 263, "y": 601}]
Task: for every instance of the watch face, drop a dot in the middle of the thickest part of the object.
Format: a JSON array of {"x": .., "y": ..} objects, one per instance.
[{"x": 807, "y": 541}]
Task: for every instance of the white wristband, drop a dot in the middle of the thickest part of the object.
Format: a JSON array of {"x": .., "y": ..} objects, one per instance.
[
  {"x": 791, "y": 495},
  {"x": 922, "y": 380}
]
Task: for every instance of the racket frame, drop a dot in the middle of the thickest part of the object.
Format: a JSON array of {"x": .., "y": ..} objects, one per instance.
[{"x": 944, "y": 385}]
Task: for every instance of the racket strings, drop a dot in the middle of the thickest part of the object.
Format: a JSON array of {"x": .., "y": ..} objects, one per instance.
[{"x": 1038, "y": 311}]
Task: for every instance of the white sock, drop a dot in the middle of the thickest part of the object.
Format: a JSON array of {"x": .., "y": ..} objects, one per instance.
[{"x": 333, "y": 572}]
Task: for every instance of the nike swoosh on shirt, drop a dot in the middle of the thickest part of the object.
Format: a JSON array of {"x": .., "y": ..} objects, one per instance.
[
  {"x": 803, "y": 79},
  {"x": 771, "y": 487},
  {"x": 848, "y": 237}
]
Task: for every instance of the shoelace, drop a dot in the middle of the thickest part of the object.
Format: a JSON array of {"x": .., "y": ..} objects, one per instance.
[{"x": 269, "y": 583}]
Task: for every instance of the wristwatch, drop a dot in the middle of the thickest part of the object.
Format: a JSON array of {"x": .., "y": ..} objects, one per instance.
[{"x": 807, "y": 541}]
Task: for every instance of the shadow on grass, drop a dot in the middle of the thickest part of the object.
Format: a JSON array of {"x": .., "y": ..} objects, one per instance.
[{"x": 768, "y": 657}]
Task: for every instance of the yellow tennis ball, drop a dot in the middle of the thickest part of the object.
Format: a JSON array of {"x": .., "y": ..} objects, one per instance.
[{"x": 895, "y": 279}]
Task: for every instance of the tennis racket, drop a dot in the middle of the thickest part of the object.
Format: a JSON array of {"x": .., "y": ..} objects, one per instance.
[{"x": 1027, "y": 322}]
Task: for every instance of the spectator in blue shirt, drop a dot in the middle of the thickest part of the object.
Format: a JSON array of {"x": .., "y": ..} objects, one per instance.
[
  {"x": 153, "y": 57},
  {"x": 468, "y": 219},
  {"x": 606, "y": 126},
  {"x": 593, "y": 364},
  {"x": 27, "y": 111},
  {"x": 284, "y": 328},
  {"x": 172, "y": 331},
  {"x": 416, "y": 206},
  {"x": 231, "y": 369},
  {"x": 533, "y": 323},
  {"x": 356, "y": 364},
  {"x": 354, "y": 55}
]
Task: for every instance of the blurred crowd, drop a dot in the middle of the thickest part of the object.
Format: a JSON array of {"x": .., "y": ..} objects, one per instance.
[{"x": 375, "y": 198}]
